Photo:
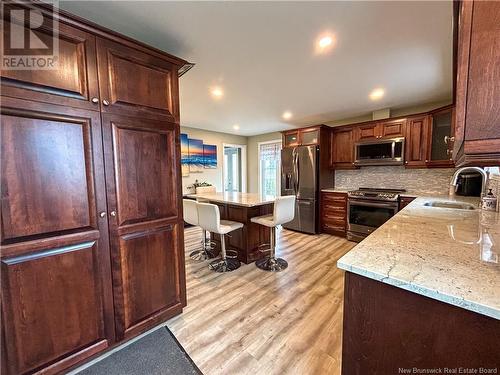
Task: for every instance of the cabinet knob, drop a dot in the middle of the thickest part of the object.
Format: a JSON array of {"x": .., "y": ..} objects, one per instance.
[
  {"x": 427, "y": 161},
  {"x": 113, "y": 213},
  {"x": 448, "y": 139},
  {"x": 105, "y": 102},
  {"x": 95, "y": 100},
  {"x": 102, "y": 214},
  {"x": 406, "y": 162}
]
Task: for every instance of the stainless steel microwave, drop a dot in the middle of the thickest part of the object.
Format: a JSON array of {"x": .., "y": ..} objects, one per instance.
[{"x": 380, "y": 152}]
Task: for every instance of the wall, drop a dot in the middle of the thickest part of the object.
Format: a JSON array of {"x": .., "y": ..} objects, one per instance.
[
  {"x": 419, "y": 181},
  {"x": 253, "y": 159},
  {"x": 212, "y": 176}
]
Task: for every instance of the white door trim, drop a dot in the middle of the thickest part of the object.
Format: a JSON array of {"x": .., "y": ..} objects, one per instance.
[{"x": 243, "y": 149}]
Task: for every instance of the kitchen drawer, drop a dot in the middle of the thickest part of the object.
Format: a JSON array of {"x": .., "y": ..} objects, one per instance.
[
  {"x": 338, "y": 219},
  {"x": 331, "y": 198},
  {"x": 333, "y": 208}
]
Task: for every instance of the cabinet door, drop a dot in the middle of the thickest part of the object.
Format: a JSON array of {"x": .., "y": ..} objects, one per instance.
[
  {"x": 55, "y": 265},
  {"x": 309, "y": 137},
  {"x": 392, "y": 129},
  {"x": 367, "y": 132},
  {"x": 440, "y": 140},
  {"x": 417, "y": 134},
  {"x": 135, "y": 83},
  {"x": 73, "y": 83},
  {"x": 146, "y": 231},
  {"x": 343, "y": 149},
  {"x": 291, "y": 139}
]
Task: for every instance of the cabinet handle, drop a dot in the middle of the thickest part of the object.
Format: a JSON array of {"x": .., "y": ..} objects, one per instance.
[
  {"x": 113, "y": 213},
  {"x": 95, "y": 100},
  {"x": 448, "y": 151},
  {"x": 448, "y": 139},
  {"x": 427, "y": 161},
  {"x": 406, "y": 162},
  {"x": 105, "y": 102},
  {"x": 102, "y": 214}
]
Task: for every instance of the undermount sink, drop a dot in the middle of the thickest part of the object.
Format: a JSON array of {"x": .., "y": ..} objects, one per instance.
[{"x": 452, "y": 205}]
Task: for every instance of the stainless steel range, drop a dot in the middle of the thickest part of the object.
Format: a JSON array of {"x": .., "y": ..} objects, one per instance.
[{"x": 369, "y": 208}]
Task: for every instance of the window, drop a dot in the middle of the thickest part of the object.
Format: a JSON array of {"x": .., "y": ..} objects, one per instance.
[{"x": 270, "y": 168}]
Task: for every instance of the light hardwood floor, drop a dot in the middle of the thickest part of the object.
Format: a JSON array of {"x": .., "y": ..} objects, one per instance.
[{"x": 255, "y": 322}]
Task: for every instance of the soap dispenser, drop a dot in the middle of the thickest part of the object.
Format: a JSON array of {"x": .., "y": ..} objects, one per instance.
[{"x": 489, "y": 202}]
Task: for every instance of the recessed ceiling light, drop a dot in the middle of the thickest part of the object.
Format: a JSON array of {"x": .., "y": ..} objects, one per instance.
[
  {"x": 217, "y": 92},
  {"x": 324, "y": 43},
  {"x": 287, "y": 115},
  {"x": 236, "y": 127},
  {"x": 376, "y": 94}
]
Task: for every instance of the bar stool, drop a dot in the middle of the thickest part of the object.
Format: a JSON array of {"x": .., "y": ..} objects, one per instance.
[
  {"x": 283, "y": 212},
  {"x": 209, "y": 218},
  {"x": 190, "y": 211}
]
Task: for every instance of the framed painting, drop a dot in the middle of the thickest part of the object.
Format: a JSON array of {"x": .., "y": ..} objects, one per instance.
[
  {"x": 195, "y": 155},
  {"x": 210, "y": 156},
  {"x": 184, "y": 155}
]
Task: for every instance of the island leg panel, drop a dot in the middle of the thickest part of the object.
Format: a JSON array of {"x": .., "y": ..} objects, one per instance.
[
  {"x": 248, "y": 240},
  {"x": 387, "y": 329}
]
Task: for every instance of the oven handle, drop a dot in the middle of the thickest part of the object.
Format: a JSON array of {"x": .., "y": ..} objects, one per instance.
[{"x": 373, "y": 204}]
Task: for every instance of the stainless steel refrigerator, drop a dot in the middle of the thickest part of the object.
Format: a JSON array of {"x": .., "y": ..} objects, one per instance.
[{"x": 299, "y": 177}]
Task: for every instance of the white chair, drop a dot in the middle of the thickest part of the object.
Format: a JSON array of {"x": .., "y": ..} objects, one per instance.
[
  {"x": 190, "y": 211},
  {"x": 209, "y": 218},
  {"x": 284, "y": 212}
]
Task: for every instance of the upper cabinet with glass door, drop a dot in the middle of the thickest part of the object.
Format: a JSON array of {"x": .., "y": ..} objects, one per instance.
[
  {"x": 441, "y": 138},
  {"x": 305, "y": 136}
]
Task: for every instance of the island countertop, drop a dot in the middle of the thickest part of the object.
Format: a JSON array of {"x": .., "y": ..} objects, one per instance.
[
  {"x": 450, "y": 255},
  {"x": 238, "y": 199}
]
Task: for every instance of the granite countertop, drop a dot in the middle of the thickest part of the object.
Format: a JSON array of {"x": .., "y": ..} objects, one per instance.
[
  {"x": 446, "y": 254},
  {"x": 335, "y": 190},
  {"x": 237, "y": 199}
]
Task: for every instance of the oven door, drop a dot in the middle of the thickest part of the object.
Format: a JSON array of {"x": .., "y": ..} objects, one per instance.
[{"x": 365, "y": 216}]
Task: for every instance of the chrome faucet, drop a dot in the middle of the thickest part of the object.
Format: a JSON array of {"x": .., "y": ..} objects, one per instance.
[{"x": 454, "y": 179}]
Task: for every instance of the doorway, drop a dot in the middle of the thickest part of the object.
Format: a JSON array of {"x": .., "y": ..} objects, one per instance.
[{"x": 234, "y": 168}]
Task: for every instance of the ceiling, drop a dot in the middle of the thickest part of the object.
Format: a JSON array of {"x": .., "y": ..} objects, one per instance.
[{"x": 262, "y": 54}]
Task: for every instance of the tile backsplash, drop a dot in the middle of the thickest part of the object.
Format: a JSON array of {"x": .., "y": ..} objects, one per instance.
[{"x": 418, "y": 181}]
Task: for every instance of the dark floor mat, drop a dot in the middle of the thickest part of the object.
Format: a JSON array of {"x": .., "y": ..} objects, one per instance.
[{"x": 158, "y": 353}]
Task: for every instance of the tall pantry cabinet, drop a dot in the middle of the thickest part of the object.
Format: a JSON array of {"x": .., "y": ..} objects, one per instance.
[{"x": 91, "y": 235}]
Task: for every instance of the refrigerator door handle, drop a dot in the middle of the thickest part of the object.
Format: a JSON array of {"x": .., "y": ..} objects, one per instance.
[{"x": 295, "y": 171}]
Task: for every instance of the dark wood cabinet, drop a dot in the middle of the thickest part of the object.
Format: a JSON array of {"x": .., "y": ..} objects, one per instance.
[
  {"x": 417, "y": 141},
  {"x": 73, "y": 84},
  {"x": 92, "y": 249},
  {"x": 440, "y": 140},
  {"x": 333, "y": 213},
  {"x": 380, "y": 129},
  {"x": 141, "y": 163},
  {"x": 477, "y": 132},
  {"x": 55, "y": 255},
  {"x": 342, "y": 148},
  {"x": 312, "y": 135},
  {"x": 145, "y": 74},
  {"x": 392, "y": 128}
]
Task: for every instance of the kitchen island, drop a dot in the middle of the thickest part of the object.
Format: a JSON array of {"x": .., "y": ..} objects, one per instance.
[
  {"x": 423, "y": 291},
  {"x": 241, "y": 207}
]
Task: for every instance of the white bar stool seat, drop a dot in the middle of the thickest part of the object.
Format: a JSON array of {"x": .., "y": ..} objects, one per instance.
[
  {"x": 283, "y": 212},
  {"x": 190, "y": 213},
  {"x": 209, "y": 218}
]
